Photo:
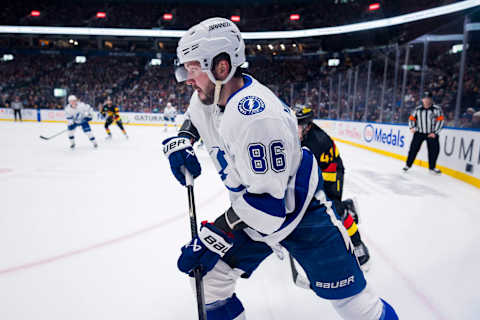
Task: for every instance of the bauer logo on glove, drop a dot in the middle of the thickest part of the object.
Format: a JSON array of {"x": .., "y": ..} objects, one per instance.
[
  {"x": 205, "y": 250},
  {"x": 180, "y": 154},
  {"x": 174, "y": 144}
]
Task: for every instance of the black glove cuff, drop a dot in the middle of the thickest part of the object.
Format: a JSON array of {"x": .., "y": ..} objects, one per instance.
[
  {"x": 188, "y": 130},
  {"x": 229, "y": 221}
]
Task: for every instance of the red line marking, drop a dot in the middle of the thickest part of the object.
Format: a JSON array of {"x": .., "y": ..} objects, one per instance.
[
  {"x": 106, "y": 243},
  {"x": 409, "y": 282}
]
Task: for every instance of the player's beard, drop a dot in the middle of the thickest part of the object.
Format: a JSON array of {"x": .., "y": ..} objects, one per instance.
[{"x": 208, "y": 93}]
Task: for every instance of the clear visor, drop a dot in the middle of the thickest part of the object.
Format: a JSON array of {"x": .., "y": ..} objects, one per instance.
[
  {"x": 184, "y": 73},
  {"x": 181, "y": 74}
]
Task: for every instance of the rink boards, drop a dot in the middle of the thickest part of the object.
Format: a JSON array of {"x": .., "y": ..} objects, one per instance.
[
  {"x": 459, "y": 149},
  {"x": 131, "y": 118}
]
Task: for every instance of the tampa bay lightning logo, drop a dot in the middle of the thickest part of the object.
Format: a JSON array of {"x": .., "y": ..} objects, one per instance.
[{"x": 251, "y": 105}]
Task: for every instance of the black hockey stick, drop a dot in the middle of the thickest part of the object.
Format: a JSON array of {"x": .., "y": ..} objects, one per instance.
[
  {"x": 56, "y": 134},
  {"x": 202, "y": 315}
]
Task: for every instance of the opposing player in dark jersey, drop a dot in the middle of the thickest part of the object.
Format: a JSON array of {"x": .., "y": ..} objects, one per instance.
[
  {"x": 330, "y": 162},
  {"x": 112, "y": 114}
]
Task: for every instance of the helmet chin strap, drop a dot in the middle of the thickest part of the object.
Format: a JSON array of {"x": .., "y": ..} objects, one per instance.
[
  {"x": 218, "y": 88},
  {"x": 219, "y": 84}
]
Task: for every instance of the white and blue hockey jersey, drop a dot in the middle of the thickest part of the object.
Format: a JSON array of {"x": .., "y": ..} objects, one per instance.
[
  {"x": 255, "y": 147},
  {"x": 170, "y": 112},
  {"x": 78, "y": 114}
]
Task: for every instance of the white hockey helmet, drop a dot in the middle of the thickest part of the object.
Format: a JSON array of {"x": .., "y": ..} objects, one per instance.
[
  {"x": 205, "y": 41},
  {"x": 72, "y": 98}
]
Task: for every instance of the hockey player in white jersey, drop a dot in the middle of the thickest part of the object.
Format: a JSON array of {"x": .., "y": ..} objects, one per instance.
[
  {"x": 169, "y": 114},
  {"x": 275, "y": 186},
  {"x": 78, "y": 114}
]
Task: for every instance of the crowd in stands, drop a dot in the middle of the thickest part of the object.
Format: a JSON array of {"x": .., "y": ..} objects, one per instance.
[
  {"x": 319, "y": 89},
  {"x": 255, "y": 15},
  {"x": 137, "y": 86}
]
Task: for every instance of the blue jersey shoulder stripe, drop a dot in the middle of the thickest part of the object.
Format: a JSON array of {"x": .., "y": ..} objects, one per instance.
[{"x": 266, "y": 203}]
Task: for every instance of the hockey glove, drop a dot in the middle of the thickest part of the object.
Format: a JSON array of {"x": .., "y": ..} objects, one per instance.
[
  {"x": 87, "y": 117},
  {"x": 204, "y": 250},
  {"x": 71, "y": 125},
  {"x": 180, "y": 154}
]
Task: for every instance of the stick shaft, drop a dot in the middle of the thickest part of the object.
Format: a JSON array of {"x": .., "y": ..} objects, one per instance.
[
  {"x": 53, "y": 136},
  {"x": 202, "y": 315}
]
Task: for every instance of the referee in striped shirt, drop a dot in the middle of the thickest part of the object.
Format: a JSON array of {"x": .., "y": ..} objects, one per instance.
[{"x": 425, "y": 123}]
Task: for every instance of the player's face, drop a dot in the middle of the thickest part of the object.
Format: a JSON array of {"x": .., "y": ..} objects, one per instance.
[
  {"x": 73, "y": 103},
  {"x": 200, "y": 82}
]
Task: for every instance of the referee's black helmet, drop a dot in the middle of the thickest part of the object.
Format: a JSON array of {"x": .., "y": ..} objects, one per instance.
[{"x": 427, "y": 94}]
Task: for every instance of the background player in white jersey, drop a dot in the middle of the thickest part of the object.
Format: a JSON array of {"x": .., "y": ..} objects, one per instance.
[
  {"x": 79, "y": 114},
  {"x": 275, "y": 187},
  {"x": 169, "y": 114}
]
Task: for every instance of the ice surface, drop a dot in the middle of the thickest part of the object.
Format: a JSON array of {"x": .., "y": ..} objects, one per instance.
[{"x": 95, "y": 234}]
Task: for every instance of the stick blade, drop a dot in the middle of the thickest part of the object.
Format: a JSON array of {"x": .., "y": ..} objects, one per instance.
[{"x": 44, "y": 138}]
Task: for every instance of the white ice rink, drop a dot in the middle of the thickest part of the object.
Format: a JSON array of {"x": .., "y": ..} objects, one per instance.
[{"x": 95, "y": 234}]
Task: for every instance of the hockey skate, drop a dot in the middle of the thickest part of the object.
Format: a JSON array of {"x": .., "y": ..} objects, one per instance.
[
  {"x": 108, "y": 137},
  {"x": 363, "y": 256},
  {"x": 72, "y": 145},
  {"x": 435, "y": 171},
  {"x": 405, "y": 169},
  {"x": 352, "y": 208}
]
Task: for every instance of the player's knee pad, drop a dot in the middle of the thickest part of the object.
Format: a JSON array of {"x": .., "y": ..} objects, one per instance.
[
  {"x": 228, "y": 309},
  {"x": 219, "y": 283},
  {"x": 365, "y": 305}
]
